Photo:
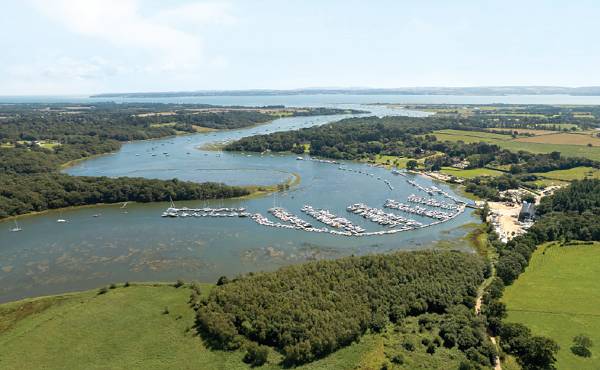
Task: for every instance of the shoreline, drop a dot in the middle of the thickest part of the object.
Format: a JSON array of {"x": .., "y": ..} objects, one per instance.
[{"x": 256, "y": 191}]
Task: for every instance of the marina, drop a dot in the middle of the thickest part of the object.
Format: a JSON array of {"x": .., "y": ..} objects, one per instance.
[{"x": 202, "y": 240}]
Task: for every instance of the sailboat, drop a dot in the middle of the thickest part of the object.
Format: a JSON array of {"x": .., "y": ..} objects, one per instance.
[{"x": 16, "y": 228}]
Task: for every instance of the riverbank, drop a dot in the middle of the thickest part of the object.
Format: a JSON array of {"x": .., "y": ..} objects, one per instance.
[{"x": 256, "y": 191}]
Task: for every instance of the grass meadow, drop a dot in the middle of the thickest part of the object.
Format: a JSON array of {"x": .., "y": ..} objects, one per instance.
[
  {"x": 558, "y": 296},
  {"x": 151, "y": 326},
  {"x": 508, "y": 142}
]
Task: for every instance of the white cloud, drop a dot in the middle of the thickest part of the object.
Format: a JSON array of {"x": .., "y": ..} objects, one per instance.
[
  {"x": 199, "y": 13},
  {"x": 162, "y": 42}
]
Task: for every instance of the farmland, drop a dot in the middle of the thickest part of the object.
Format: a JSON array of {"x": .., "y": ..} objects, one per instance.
[
  {"x": 508, "y": 142},
  {"x": 562, "y": 139},
  {"x": 577, "y": 173},
  {"x": 557, "y": 296},
  {"x": 470, "y": 173}
]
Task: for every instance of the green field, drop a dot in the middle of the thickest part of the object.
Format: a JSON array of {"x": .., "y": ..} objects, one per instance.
[
  {"x": 49, "y": 144},
  {"x": 127, "y": 328},
  {"x": 400, "y": 162},
  {"x": 470, "y": 173},
  {"x": 558, "y": 296},
  {"x": 577, "y": 173},
  {"x": 507, "y": 142}
]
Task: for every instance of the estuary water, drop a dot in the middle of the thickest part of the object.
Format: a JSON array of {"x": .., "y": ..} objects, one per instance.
[{"x": 115, "y": 243}]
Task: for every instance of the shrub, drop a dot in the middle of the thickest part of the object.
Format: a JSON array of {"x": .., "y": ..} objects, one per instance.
[
  {"x": 408, "y": 345},
  {"x": 126, "y": 284},
  {"x": 431, "y": 348},
  {"x": 222, "y": 280},
  {"x": 467, "y": 365},
  {"x": 112, "y": 286},
  {"x": 179, "y": 283},
  {"x": 386, "y": 365},
  {"x": 166, "y": 311},
  {"x": 398, "y": 359},
  {"x": 581, "y": 346},
  {"x": 581, "y": 351},
  {"x": 583, "y": 340},
  {"x": 102, "y": 290}
]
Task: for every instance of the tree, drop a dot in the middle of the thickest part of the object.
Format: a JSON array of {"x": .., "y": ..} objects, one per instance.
[
  {"x": 412, "y": 165},
  {"x": 581, "y": 346},
  {"x": 222, "y": 280},
  {"x": 256, "y": 355},
  {"x": 484, "y": 212},
  {"x": 538, "y": 353}
]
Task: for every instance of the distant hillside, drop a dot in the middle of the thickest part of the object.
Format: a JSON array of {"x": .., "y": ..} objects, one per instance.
[{"x": 481, "y": 90}]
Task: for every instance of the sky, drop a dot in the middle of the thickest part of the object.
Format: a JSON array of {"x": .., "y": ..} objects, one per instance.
[{"x": 70, "y": 47}]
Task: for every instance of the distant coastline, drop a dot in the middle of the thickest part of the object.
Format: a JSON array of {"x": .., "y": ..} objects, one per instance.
[{"x": 482, "y": 91}]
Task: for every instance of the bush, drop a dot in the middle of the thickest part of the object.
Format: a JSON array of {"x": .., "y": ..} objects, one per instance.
[
  {"x": 112, "y": 286},
  {"x": 581, "y": 346},
  {"x": 126, "y": 284},
  {"x": 408, "y": 345},
  {"x": 398, "y": 359},
  {"x": 467, "y": 365},
  {"x": 256, "y": 355},
  {"x": 179, "y": 283},
  {"x": 102, "y": 290},
  {"x": 166, "y": 311},
  {"x": 431, "y": 348},
  {"x": 583, "y": 340},
  {"x": 222, "y": 280},
  {"x": 581, "y": 351}
]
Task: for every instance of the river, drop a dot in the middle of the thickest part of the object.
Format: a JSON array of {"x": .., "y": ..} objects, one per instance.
[{"x": 103, "y": 244}]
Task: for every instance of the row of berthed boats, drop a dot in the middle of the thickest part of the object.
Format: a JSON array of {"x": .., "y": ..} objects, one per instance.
[
  {"x": 418, "y": 210},
  {"x": 205, "y": 212},
  {"x": 432, "y": 202},
  {"x": 383, "y": 218},
  {"x": 295, "y": 224},
  {"x": 317, "y": 160},
  {"x": 329, "y": 218}
]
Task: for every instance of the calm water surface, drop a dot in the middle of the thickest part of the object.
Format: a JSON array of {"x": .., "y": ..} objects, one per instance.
[{"x": 135, "y": 243}]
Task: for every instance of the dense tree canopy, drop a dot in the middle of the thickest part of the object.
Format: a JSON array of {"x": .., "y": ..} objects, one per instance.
[{"x": 307, "y": 311}]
